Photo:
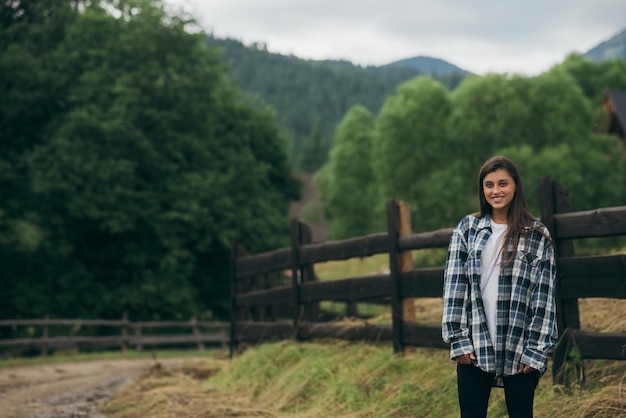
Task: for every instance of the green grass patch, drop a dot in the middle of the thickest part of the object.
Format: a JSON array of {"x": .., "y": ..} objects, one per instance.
[{"x": 354, "y": 267}]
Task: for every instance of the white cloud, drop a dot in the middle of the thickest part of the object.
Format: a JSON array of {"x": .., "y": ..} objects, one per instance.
[{"x": 480, "y": 36}]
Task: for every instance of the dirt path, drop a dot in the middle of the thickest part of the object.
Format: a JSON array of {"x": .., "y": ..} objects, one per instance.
[{"x": 68, "y": 389}]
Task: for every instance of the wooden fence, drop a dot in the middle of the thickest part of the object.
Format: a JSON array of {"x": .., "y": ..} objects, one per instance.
[
  {"x": 129, "y": 334},
  {"x": 265, "y": 307}
]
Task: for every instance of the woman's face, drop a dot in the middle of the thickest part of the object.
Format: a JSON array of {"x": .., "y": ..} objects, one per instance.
[{"x": 499, "y": 190}]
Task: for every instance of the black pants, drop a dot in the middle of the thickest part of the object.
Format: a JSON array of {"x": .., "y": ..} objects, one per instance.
[{"x": 474, "y": 387}]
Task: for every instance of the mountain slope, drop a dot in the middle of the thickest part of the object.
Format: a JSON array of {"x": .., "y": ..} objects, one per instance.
[{"x": 611, "y": 48}]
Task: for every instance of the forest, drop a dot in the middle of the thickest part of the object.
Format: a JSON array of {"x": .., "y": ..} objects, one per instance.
[
  {"x": 128, "y": 165},
  {"x": 310, "y": 97},
  {"x": 427, "y": 143},
  {"x": 131, "y": 156}
]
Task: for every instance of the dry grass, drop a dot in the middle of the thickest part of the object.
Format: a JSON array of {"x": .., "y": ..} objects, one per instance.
[
  {"x": 343, "y": 380},
  {"x": 179, "y": 392},
  {"x": 602, "y": 315}
]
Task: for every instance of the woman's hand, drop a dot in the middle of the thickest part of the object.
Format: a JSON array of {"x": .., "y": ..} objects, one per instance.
[
  {"x": 525, "y": 369},
  {"x": 465, "y": 358}
]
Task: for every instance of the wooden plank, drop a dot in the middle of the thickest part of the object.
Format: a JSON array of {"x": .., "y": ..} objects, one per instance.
[
  {"x": 394, "y": 269},
  {"x": 546, "y": 196},
  {"x": 350, "y": 332},
  {"x": 112, "y": 323},
  {"x": 298, "y": 312},
  {"x": 405, "y": 263},
  {"x": 603, "y": 222},
  {"x": 590, "y": 277},
  {"x": 422, "y": 283},
  {"x": 434, "y": 239},
  {"x": 254, "y": 332},
  {"x": 280, "y": 295},
  {"x": 350, "y": 289},
  {"x": 568, "y": 313},
  {"x": 116, "y": 340},
  {"x": 423, "y": 335},
  {"x": 236, "y": 251},
  {"x": 311, "y": 310},
  {"x": 165, "y": 339},
  {"x": 267, "y": 262},
  {"x": 178, "y": 324},
  {"x": 600, "y": 345},
  {"x": 342, "y": 250},
  {"x": 68, "y": 322}
]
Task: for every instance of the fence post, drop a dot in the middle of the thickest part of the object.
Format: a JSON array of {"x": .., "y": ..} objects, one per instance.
[
  {"x": 271, "y": 311},
  {"x": 295, "y": 276},
  {"x": 196, "y": 332},
  {"x": 124, "y": 332},
  {"x": 138, "y": 337},
  {"x": 234, "y": 254},
  {"x": 555, "y": 199},
  {"x": 44, "y": 338},
  {"x": 402, "y": 309},
  {"x": 311, "y": 310}
]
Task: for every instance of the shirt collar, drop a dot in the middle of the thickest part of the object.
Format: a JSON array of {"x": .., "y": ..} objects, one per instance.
[{"x": 484, "y": 222}]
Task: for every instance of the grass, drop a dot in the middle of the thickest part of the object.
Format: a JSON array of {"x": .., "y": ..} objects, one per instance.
[
  {"x": 353, "y": 267},
  {"x": 345, "y": 380}
]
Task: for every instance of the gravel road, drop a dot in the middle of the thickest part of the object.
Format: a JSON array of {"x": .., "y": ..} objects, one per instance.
[{"x": 64, "y": 390}]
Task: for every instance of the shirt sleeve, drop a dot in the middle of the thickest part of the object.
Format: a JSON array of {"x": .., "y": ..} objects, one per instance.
[
  {"x": 542, "y": 331},
  {"x": 455, "y": 329}
]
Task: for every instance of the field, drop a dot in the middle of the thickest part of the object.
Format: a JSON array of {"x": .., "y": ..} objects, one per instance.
[{"x": 340, "y": 379}]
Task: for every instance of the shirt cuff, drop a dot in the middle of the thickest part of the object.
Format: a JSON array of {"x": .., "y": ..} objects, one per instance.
[
  {"x": 534, "y": 359},
  {"x": 460, "y": 346}
]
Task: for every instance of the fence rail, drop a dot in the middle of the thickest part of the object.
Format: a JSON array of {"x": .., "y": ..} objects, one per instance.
[
  {"x": 130, "y": 334},
  {"x": 262, "y": 304}
]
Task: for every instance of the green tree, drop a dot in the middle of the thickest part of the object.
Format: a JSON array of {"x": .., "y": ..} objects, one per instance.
[
  {"x": 488, "y": 113},
  {"x": 347, "y": 180},
  {"x": 592, "y": 169},
  {"x": 144, "y": 173},
  {"x": 30, "y": 100},
  {"x": 311, "y": 97},
  {"x": 560, "y": 113},
  {"x": 411, "y": 141},
  {"x": 314, "y": 151},
  {"x": 595, "y": 79}
]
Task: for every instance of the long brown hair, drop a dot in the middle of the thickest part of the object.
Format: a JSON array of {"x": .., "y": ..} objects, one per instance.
[{"x": 519, "y": 217}]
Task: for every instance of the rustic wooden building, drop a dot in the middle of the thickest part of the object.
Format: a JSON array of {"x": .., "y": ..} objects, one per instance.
[{"x": 615, "y": 103}]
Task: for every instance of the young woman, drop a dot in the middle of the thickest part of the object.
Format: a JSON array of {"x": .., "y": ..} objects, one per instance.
[{"x": 499, "y": 303}]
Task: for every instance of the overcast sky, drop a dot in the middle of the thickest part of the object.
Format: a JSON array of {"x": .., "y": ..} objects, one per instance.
[{"x": 525, "y": 37}]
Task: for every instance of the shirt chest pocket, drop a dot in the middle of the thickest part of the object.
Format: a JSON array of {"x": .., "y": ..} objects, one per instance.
[
  {"x": 526, "y": 267},
  {"x": 529, "y": 258}
]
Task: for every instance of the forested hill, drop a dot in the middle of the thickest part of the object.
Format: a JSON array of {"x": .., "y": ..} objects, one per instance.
[
  {"x": 430, "y": 65},
  {"x": 310, "y": 97}
]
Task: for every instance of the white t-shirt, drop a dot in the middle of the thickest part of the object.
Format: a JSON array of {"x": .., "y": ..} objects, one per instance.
[{"x": 489, "y": 275}]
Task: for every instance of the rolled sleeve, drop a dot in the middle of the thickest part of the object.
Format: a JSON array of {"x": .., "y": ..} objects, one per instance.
[
  {"x": 460, "y": 346},
  {"x": 455, "y": 328},
  {"x": 542, "y": 331}
]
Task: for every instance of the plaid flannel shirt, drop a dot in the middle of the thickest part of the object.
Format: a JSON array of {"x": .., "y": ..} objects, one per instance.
[{"x": 526, "y": 329}]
